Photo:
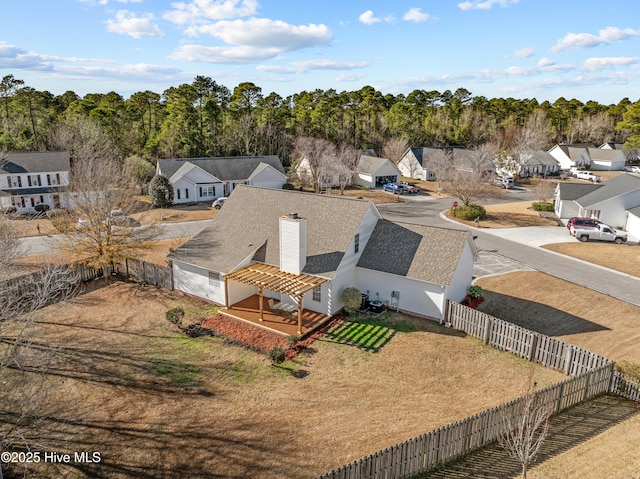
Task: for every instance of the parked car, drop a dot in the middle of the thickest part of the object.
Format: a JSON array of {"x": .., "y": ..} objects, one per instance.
[
  {"x": 393, "y": 188},
  {"x": 217, "y": 204},
  {"x": 504, "y": 181},
  {"x": 633, "y": 169},
  {"x": 601, "y": 232},
  {"x": 587, "y": 175},
  {"x": 583, "y": 222},
  {"x": 409, "y": 187}
]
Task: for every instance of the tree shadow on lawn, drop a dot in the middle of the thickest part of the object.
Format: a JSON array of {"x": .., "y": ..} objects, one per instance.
[
  {"x": 567, "y": 430},
  {"x": 536, "y": 316}
]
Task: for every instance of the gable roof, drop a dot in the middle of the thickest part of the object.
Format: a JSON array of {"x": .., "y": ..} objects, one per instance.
[
  {"x": 248, "y": 227},
  {"x": 224, "y": 168},
  {"x": 540, "y": 157},
  {"x": 618, "y": 186},
  {"x": 264, "y": 166},
  {"x": 573, "y": 191},
  {"x": 603, "y": 154},
  {"x": 424, "y": 154},
  {"x": 370, "y": 164},
  {"x": 425, "y": 253},
  {"x": 635, "y": 211},
  {"x": 35, "y": 162}
]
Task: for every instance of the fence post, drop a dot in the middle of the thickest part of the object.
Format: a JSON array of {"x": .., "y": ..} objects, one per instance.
[
  {"x": 585, "y": 396},
  {"x": 567, "y": 359},
  {"x": 487, "y": 329},
  {"x": 534, "y": 345},
  {"x": 560, "y": 396}
]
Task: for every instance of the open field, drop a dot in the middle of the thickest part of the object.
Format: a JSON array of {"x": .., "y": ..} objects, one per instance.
[{"x": 126, "y": 383}]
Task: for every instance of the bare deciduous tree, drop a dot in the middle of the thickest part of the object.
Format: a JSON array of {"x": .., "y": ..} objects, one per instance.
[
  {"x": 467, "y": 177},
  {"x": 394, "y": 149},
  {"x": 315, "y": 151},
  {"x": 348, "y": 160},
  {"x": 544, "y": 189},
  {"x": 102, "y": 193},
  {"x": 525, "y": 428}
]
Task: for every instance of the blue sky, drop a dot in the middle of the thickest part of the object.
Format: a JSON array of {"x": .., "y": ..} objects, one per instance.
[{"x": 543, "y": 49}]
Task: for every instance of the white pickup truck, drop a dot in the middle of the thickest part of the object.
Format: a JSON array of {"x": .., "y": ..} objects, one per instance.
[
  {"x": 586, "y": 175},
  {"x": 600, "y": 232}
]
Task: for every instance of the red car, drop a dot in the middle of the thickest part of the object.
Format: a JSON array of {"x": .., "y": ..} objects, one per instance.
[{"x": 584, "y": 222}]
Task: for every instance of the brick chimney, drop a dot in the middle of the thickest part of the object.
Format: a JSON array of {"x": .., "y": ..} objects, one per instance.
[{"x": 293, "y": 243}]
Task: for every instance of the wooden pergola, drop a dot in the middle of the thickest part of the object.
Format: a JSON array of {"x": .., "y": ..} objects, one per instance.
[{"x": 269, "y": 277}]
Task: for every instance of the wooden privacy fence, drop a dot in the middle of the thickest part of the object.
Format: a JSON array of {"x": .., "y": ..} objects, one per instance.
[
  {"x": 442, "y": 445},
  {"x": 522, "y": 342},
  {"x": 149, "y": 273}
]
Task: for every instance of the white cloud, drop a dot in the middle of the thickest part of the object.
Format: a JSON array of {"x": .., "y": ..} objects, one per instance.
[
  {"x": 127, "y": 23},
  {"x": 545, "y": 62},
  {"x": 350, "y": 77},
  {"x": 223, "y": 55},
  {"x": 12, "y": 56},
  {"x": 523, "y": 53},
  {"x": 586, "y": 40},
  {"x": 485, "y": 4},
  {"x": 202, "y": 11},
  {"x": 368, "y": 18},
  {"x": 304, "y": 66},
  {"x": 263, "y": 33},
  {"x": 602, "y": 63},
  {"x": 416, "y": 15}
]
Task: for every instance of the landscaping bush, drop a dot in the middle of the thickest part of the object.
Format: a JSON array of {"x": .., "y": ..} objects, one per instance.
[
  {"x": 10, "y": 210},
  {"x": 161, "y": 192},
  {"x": 175, "y": 315},
  {"x": 475, "y": 291},
  {"x": 276, "y": 355},
  {"x": 288, "y": 186},
  {"x": 352, "y": 299},
  {"x": 537, "y": 206},
  {"x": 57, "y": 213},
  {"x": 41, "y": 208},
  {"x": 468, "y": 212},
  {"x": 292, "y": 341}
]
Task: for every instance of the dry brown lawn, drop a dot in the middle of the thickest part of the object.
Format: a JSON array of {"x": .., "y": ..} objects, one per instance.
[
  {"x": 510, "y": 215},
  {"x": 624, "y": 258},
  {"x": 126, "y": 383},
  {"x": 598, "y": 439}
]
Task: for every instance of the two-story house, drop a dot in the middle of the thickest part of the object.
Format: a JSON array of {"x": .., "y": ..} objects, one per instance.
[
  {"x": 34, "y": 178},
  {"x": 305, "y": 249}
]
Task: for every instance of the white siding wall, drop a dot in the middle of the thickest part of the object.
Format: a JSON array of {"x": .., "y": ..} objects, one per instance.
[
  {"x": 182, "y": 185},
  {"x": 415, "y": 296},
  {"x": 410, "y": 168},
  {"x": 633, "y": 226},
  {"x": 567, "y": 209},
  {"x": 363, "y": 179},
  {"x": 463, "y": 277},
  {"x": 613, "y": 212},
  {"x": 616, "y": 165},
  {"x": 194, "y": 280},
  {"x": 268, "y": 178},
  {"x": 327, "y": 304}
]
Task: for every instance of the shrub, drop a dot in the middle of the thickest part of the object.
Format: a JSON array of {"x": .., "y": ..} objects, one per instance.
[
  {"x": 41, "y": 208},
  {"x": 175, "y": 315},
  {"x": 288, "y": 186},
  {"x": 468, "y": 212},
  {"x": 475, "y": 291},
  {"x": 10, "y": 210},
  {"x": 352, "y": 299},
  {"x": 292, "y": 340},
  {"x": 276, "y": 355},
  {"x": 537, "y": 206},
  {"x": 57, "y": 213},
  {"x": 161, "y": 192}
]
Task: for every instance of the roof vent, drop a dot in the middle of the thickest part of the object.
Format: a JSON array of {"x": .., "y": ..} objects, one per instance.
[{"x": 293, "y": 216}]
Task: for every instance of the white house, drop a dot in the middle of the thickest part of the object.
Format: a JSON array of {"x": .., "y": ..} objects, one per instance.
[
  {"x": 607, "y": 159},
  {"x": 613, "y": 202},
  {"x": 633, "y": 222},
  {"x": 538, "y": 162},
  {"x": 34, "y": 178},
  {"x": 204, "y": 179},
  {"x": 331, "y": 172},
  {"x": 373, "y": 171},
  {"x": 309, "y": 248},
  {"x": 421, "y": 163},
  {"x": 570, "y": 156}
]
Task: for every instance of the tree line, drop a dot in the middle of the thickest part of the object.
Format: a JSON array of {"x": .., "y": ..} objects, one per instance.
[{"x": 204, "y": 118}]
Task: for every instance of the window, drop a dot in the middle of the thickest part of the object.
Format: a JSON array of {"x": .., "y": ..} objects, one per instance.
[
  {"x": 34, "y": 180},
  {"x": 207, "y": 191},
  {"x": 186, "y": 192},
  {"x": 14, "y": 182},
  {"x": 317, "y": 294},
  {"x": 177, "y": 193},
  {"x": 356, "y": 245},
  {"x": 214, "y": 278}
]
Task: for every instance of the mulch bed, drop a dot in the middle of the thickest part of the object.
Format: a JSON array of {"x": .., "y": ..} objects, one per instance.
[{"x": 260, "y": 339}]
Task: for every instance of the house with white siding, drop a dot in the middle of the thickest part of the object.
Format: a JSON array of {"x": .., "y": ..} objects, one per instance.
[
  {"x": 29, "y": 179},
  {"x": 421, "y": 163},
  {"x": 375, "y": 172},
  {"x": 603, "y": 159},
  {"x": 205, "y": 179},
  {"x": 304, "y": 249},
  {"x": 571, "y": 156}
]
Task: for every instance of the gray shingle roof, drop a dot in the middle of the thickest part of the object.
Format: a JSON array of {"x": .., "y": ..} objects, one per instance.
[
  {"x": 620, "y": 185},
  {"x": 573, "y": 191},
  {"x": 248, "y": 226},
  {"x": 425, "y": 253},
  {"x": 35, "y": 162},
  {"x": 603, "y": 154},
  {"x": 225, "y": 169},
  {"x": 635, "y": 211},
  {"x": 540, "y": 157},
  {"x": 371, "y": 164}
]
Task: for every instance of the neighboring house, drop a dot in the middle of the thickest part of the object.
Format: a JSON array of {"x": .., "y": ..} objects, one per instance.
[
  {"x": 633, "y": 222},
  {"x": 607, "y": 159},
  {"x": 421, "y": 163},
  {"x": 313, "y": 247},
  {"x": 204, "y": 179},
  {"x": 538, "y": 162},
  {"x": 31, "y": 179},
  {"x": 331, "y": 172},
  {"x": 571, "y": 156},
  {"x": 473, "y": 160},
  {"x": 611, "y": 201},
  {"x": 375, "y": 172}
]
